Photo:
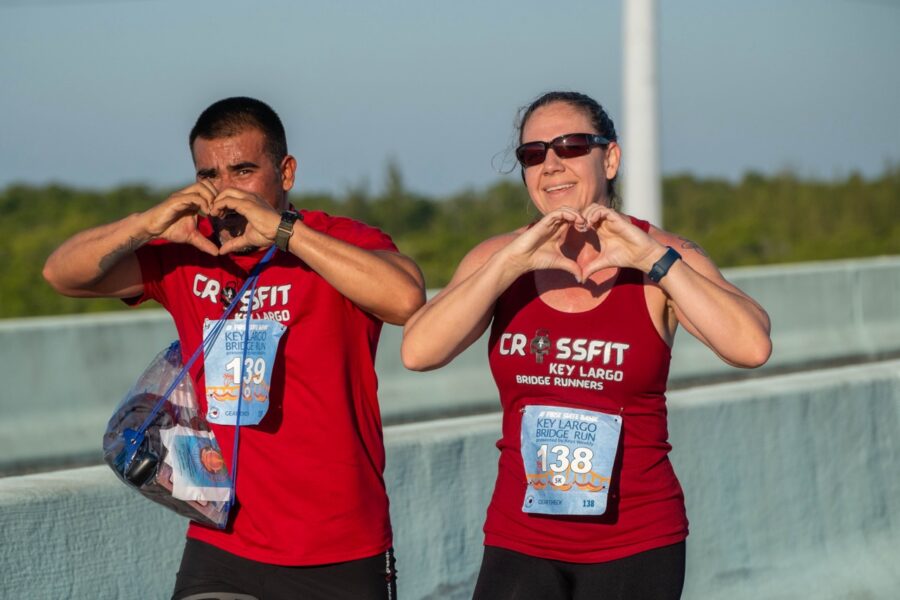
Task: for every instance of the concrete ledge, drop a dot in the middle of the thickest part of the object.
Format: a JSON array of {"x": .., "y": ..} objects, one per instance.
[
  {"x": 822, "y": 313},
  {"x": 81, "y": 534},
  {"x": 440, "y": 477},
  {"x": 72, "y": 371},
  {"x": 69, "y": 375},
  {"x": 791, "y": 486}
]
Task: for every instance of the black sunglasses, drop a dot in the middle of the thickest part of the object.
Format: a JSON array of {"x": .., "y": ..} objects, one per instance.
[{"x": 570, "y": 145}]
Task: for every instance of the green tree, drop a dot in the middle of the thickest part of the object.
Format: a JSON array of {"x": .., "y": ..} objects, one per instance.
[{"x": 757, "y": 220}]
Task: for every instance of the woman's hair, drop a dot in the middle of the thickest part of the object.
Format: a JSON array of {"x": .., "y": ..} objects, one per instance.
[{"x": 590, "y": 107}]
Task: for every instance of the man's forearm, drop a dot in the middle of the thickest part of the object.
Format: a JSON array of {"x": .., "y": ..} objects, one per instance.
[
  {"x": 386, "y": 284},
  {"x": 90, "y": 263}
]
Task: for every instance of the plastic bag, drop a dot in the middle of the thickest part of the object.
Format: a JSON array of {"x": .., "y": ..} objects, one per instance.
[{"x": 175, "y": 459}]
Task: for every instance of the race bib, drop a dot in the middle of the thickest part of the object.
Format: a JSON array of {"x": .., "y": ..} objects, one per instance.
[
  {"x": 568, "y": 455},
  {"x": 226, "y": 365}
]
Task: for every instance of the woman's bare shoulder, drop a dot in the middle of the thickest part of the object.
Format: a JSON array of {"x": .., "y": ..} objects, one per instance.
[{"x": 483, "y": 252}]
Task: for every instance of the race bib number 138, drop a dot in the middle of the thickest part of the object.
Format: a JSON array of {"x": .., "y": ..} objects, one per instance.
[{"x": 568, "y": 455}]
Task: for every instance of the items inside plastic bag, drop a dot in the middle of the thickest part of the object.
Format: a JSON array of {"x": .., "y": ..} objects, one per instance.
[{"x": 175, "y": 460}]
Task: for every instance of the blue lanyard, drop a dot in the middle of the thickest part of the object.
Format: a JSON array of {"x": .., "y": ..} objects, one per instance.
[
  {"x": 134, "y": 438},
  {"x": 254, "y": 277}
]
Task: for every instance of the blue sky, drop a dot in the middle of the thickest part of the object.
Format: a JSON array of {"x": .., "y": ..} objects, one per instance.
[{"x": 103, "y": 92}]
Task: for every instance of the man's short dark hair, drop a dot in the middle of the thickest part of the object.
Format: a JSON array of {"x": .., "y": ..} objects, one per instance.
[{"x": 232, "y": 116}]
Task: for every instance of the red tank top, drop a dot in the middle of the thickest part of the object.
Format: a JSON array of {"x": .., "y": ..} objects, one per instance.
[{"x": 539, "y": 355}]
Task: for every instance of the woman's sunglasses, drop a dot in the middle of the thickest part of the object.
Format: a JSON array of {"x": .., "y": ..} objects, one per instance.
[{"x": 570, "y": 145}]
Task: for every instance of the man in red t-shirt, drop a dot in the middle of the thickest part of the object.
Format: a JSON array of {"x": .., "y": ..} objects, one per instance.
[{"x": 310, "y": 491}]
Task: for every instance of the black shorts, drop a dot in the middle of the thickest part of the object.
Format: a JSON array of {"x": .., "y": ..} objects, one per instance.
[
  {"x": 208, "y": 573},
  {"x": 656, "y": 574}
]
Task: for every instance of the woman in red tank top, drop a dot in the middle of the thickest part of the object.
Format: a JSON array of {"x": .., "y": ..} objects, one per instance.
[{"x": 583, "y": 305}]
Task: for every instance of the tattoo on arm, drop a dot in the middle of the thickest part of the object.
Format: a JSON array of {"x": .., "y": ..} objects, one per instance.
[
  {"x": 689, "y": 245},
  {"x": 108, "y": 261}
]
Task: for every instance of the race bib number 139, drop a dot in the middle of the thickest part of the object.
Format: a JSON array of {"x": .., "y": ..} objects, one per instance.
[
  {"x": 240, "y": 363},
  {"x": 568, "y": 455}
]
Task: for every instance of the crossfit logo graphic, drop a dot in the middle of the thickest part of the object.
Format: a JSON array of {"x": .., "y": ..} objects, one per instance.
[
  {"x": 540, "y": 345},
  {"x": 228, "y": 293},
  {"x": 267, "y": 302}
]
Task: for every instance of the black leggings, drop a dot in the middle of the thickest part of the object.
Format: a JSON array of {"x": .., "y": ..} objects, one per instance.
[
  {"x": 208, "y": 573},
  {"x": 656, "y": 574}
]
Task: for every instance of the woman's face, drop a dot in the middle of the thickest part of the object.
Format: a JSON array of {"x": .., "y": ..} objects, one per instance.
[{"x": 573, "y": 182}]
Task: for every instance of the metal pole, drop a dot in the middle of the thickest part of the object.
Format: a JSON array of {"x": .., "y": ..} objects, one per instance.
[{"x": 640, "y": 146}]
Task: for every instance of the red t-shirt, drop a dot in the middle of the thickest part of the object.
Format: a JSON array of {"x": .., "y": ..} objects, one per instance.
[
  {"x": 625, "y": 374},
  {"x": 310, "y": 487}
]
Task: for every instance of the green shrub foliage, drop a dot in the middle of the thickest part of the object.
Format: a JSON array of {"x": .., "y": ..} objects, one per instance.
[{"x": 757, "y": 220}]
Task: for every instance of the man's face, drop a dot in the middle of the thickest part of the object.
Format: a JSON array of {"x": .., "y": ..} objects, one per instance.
[{"x": 241, "y": 162}]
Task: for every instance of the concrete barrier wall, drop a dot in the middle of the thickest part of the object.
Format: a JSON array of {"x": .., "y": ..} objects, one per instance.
[
  {"x": 69, "y": 373},
  {"x": 65, "y": 376},
  {"x": 791, "y": 486},
  {"x": 822, "y": 313}
]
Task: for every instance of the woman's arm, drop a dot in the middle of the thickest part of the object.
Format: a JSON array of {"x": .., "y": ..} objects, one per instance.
[
  {"x": 713, "y": 310},
  {"x": 451, "y": 321}
]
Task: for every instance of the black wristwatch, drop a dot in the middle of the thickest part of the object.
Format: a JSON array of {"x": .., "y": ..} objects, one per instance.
[
  {"x": 661, "y": 267},
  {"x": 286, "y": 229}
]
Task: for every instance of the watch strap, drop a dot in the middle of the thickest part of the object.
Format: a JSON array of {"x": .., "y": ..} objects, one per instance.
[
  {"x": 662, "y": 266},
  {"x": 286, "y": 229}
]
